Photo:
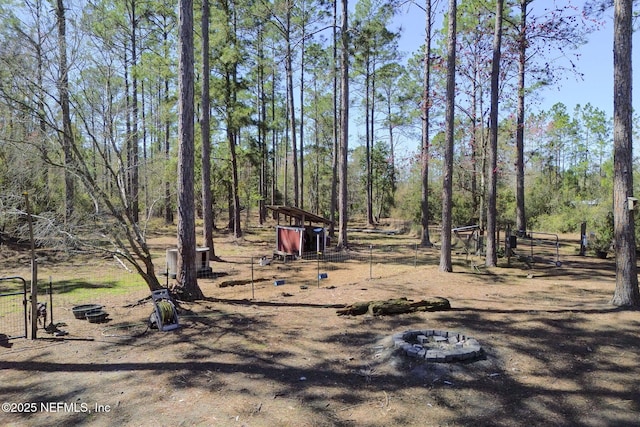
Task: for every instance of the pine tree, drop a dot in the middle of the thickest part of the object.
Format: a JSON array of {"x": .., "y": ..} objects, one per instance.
[
  {"x": 186, "y": 272},
  {"x": 626, "y": 292},
  {"x": 447, "y": 174}
]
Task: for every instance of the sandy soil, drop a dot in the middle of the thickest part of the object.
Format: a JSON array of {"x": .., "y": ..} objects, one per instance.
[{"x": 555, "y": 353}]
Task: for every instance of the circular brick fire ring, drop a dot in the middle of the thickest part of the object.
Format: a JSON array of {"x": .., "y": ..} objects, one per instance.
[{"x": 437, "y": 346}]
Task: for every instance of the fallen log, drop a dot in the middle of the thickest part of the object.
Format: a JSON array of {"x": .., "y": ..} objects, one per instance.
[
  {"x": 228, "y": 283},
  {"x": 394, "y": 306}
]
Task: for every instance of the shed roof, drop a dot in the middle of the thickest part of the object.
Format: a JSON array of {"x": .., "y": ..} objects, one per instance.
[{"x": 298, "y": 214}]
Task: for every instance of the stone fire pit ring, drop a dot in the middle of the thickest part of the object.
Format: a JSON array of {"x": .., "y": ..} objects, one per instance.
[{"x": 437, "y": 346}]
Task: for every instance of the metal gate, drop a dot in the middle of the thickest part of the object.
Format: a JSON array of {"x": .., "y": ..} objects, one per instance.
[{"x": 13, "y": 308}]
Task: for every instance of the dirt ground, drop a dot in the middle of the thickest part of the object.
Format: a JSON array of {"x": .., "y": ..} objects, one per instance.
[{"x": 555, "y": 353}]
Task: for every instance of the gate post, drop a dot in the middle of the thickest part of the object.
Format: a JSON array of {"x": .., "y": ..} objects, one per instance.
[
  {"x": 34, "y": 299},
  {"x": 34, "y": 273}
]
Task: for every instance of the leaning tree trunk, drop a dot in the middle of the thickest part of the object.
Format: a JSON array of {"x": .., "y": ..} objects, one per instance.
[{"x": 626, "y": 292}]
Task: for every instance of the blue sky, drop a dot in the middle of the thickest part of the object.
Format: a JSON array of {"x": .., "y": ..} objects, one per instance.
[{"x": 595, "y": 62}]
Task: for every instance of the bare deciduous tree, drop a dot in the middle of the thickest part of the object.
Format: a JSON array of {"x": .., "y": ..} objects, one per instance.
[{"x": 63, "y": 89}]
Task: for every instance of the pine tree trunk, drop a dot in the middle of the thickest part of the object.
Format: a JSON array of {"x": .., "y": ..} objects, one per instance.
[
  {"x": 292, "y": 111},
  {"x": 368, "y": 118},
  {"x": 168, "y": 210},
  {"x": 492, "y": 255},
  {"x": 626, "y": 291},
  {"x": 274, "y": 143},
  {"x": 425, "y": 239},
  {"x": 344, "y": 128},
  {"x": 262, "y": 130},
  {"x": 447, "y": 175},
  {"x": 186, "y": 272},
  {"x": 521, "y": 221},
  {"x": 477, "y": 151},
  {"x": 207, "y": 203},
  {"x": 372, "y": 138},
  {"x": 235, "y": 185},
  {"x": 133, "y": 140},
  {"x": 302, "y": 85},
  {"x": 336, "y": 124}
]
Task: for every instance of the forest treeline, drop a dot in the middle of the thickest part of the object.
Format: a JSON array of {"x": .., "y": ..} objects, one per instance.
[{"x": 89, "y": 115}]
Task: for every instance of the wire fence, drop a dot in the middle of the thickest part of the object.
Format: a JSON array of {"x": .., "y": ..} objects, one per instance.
[
  {"x": 329, "y": 268},
  {"x": 13, "y": 308},
  {"x": 84, "y": 279},
  {"x": 60, "y": 287},
  {"x": 64, "y": 283}
]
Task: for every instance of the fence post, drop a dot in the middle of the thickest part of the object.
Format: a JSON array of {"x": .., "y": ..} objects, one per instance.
[
  {"x": 370, "y": 262},
  {"x": 24, "y": 305},
  {"x": 34, "y": 273},
  {"x": 507, "y": 245},
  {"x": 50, "y": 303},
  {"x": 253, "y": 293}
]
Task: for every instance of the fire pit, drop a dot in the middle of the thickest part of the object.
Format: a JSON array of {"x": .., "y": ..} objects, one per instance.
[{"x": 437, "y": 346}]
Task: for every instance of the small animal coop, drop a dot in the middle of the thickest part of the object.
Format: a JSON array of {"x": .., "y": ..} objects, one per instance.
[
  {"x": 202, "y": 262},
  {"x": 299, "y": 231}
]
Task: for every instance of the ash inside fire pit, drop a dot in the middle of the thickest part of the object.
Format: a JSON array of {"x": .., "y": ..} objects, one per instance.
[{"x": 437, "y": 346}]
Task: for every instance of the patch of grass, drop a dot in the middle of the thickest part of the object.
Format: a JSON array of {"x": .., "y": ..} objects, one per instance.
[{"x": 88, "y": 286}]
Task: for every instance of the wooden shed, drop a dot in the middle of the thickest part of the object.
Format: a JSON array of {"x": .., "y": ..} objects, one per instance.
[{"x": 299, "y": 231}]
